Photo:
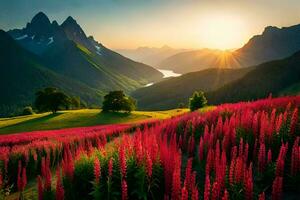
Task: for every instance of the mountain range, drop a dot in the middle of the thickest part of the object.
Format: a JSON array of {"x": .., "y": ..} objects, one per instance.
[
  {"x": 278, "y": 77},
  {"x": 150, "y": 55},
  {"x": 274, "y": 43},
  {"x": 45, "y": 53}
]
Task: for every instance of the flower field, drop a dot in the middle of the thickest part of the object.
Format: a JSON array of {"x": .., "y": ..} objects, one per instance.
[{"x": 247, "y": 150}]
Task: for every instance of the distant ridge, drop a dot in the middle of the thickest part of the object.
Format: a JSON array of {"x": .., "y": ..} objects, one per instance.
[
  {"x": 274, "y": 43},
  {"x": 150, "y": 55}
]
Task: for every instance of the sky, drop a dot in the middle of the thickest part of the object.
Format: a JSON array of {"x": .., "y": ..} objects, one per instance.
[{"x": 193, "y": 24}]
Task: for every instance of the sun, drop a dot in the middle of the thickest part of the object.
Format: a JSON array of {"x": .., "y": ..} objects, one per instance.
[{"x": 222, "y": 32}]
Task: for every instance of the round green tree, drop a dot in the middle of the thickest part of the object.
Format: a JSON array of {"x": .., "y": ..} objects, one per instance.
[
  {"x": 198, "y": 100},
  {"x": 51, "y": 99},
  {"x": 117, "y": 101}
]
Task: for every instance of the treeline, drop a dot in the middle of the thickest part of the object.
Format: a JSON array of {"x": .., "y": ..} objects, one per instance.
[
  {"x": 49, "y": 99},
  {"x": 52, "y": 99}
]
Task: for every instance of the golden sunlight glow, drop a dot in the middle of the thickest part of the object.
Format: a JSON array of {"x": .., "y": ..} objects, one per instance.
[{"x": 222, "y": 32}]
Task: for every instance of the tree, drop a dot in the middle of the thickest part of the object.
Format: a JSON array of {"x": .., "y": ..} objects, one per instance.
[
  {"x": 118, "y": 101},
  {"x": 51, "y": 99},
  {"x": 198, "y": 100}
]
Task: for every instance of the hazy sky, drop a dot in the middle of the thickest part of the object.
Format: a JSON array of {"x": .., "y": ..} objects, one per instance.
[{"x": 177, "y": 23}]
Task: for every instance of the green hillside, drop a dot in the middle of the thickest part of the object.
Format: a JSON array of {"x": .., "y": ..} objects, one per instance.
[
  {"x": 169, "y": 93},
  {"x": 22, "y": 74},
  {"x": 78, "y": 118},
  {"x": 272, "y": 77}
]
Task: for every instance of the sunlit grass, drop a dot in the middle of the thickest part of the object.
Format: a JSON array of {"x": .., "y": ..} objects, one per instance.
[{"x": 78, "y": 118}]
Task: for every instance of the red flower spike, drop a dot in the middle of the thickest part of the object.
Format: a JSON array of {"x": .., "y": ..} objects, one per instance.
[
  {"x": 195, "y": 194},
  {"x": 40, "y": 188},
  {"x": 184, "y": 194},
  {"x": 294, "y": 121},
  {"x": 124, "y": 190},
  {"x": 97, "y": 170},
  {"x": 207, "y": 188},
  {"x": 225, "y": 196},
  {"x": 59, "y": 193},
  {"x": 148, "y": 165},
  {"x": 261, "y": 196},
  {"x": 277, "y": 188},
  {"x": 122, "y": 161}
]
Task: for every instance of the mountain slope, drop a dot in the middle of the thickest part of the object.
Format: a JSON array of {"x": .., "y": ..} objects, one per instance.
[
  {"x": 169, "y": 93},
  {"x": 274, "y": 77},
  {"x": 71, "y": 53},
  {"x": 274, "y": 43},
  {"x": 23, "y": 73}
]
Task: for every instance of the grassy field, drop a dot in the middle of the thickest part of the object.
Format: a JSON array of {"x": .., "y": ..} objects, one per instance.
[{"x": 78, "y": 118}]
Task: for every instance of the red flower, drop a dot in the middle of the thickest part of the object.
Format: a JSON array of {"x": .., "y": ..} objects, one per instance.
[
  {"x": 239, "y": 170},
  {"x": 59, "y": 193},
  {"x": 248, "y": 184},
  {"x": 195, "y": 194},
  {"x": 201, "y": 149},
  {"x": 97, "y": 170},
  {"x": 295, "y": 158},
  {"x": 261, "y": 196},
  {"x": 184, "y": 194},
  {"x": 40, "y": 188},
  {"x": 68, "y": 163},
  {"x": 176, "y": 184},
  {"x": 279, "y": 122},
  {"x": 207, "y": 188},
  {"x": 148, "y": 165},
  {"x": 188, "y": 174},
  {"x": 215, "y": 191},
  {"x": 225, "y": 196},
  {"x": 124, "y": 190},
  {"x": 281, "y": 160},
  {"x": 277, "y": 188},
  {"x": 294, "y": 121}
]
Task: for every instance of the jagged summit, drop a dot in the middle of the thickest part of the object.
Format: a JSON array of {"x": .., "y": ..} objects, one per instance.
[
  {"x": 40, "y": 18},
  {"x": 70, "y": 19},
  {"x": 74, "y": 31}
]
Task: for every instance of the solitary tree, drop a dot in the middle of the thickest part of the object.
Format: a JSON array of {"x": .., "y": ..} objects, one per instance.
[
  {"x": 118, "y": 101},
  {"x": 197, "y": 101},
  {"x": 51, "y": 99}
]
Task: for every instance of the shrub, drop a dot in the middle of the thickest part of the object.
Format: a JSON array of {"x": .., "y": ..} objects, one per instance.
[
  {"x": 28, "y": 111},
  {"x": 197, "y": 101}
]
